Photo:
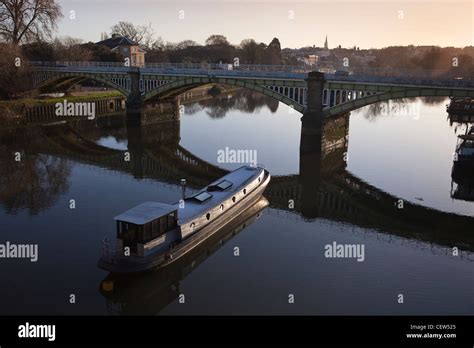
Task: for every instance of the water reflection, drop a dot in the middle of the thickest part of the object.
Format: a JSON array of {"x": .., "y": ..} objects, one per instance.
[
  {"x": 29, "y": 179},
  {"x": 241, "y": 100},
  {"x": 324, "y": 189}
]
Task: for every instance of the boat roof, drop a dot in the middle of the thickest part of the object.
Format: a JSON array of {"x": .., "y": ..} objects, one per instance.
[
  {"x": 146, "y": 212},
  {"x": 467, "y": 136},
  {"x": 200, "y": 202}
]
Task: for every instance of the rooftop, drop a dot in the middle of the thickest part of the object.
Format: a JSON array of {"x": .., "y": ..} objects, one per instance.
[
  {"x": 145, "y": 212},
  {"x": 116, "y": 41}
]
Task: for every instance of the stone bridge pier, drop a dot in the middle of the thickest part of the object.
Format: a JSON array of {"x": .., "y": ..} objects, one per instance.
[
  {"x": 312, "y": 120},
  {"x": 134, "y": 102}
]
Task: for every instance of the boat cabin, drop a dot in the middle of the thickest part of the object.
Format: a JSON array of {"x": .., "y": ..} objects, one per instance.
[{"x": 145, "y": 227}]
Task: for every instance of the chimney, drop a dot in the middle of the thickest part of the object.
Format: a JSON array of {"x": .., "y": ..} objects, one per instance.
[{"x": 183, "y": 187}]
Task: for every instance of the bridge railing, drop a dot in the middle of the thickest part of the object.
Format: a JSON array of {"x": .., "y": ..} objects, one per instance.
[
  {"x": 159, "y": 66},
  {"x": 380, "y": 75},
  {"x": 452, "y": 73},
  {"x": 63, "y": 64}
]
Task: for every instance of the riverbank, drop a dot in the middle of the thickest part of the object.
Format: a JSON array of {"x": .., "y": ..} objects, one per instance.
[
  {"x": 76, "y": 96},
  {"x": 42, "y": 110}
]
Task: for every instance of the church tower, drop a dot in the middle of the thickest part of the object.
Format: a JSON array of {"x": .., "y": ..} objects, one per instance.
[{"x": 326, "y": 43}]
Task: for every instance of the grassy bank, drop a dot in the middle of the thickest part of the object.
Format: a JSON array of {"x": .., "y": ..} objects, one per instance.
[{"x": 19, "y": 103}]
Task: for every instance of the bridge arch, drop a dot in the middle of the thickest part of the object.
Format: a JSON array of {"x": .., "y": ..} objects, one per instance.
[
  {"x": 372, "y": 98},
  {"x": 293, "y": 96},
  {"x": 46, "y": 79}
]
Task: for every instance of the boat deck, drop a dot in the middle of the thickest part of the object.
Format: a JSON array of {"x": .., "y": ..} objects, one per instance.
[{"x": 238, "y": 178}]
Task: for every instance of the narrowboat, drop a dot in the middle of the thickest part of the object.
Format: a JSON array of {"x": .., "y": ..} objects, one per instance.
[
  {"x": 148, "y": 293},
  {"x": 152, "y": 235}
]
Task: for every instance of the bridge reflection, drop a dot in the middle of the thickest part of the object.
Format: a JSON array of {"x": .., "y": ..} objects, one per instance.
[{"x": 323, "y": 188}]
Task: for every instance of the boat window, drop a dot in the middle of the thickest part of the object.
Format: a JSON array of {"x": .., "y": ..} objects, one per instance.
[
  {"x": 147, "y": 232},
  {"x": 130, "y": 232},
  {"x": 208, "y": 216},
  {"x": 155, "y": 228},
  {"x": 245, "y": 191},
  {"x": 203, "y": 196},
  {"x": 171, "y": 221},
  {"x": 233, "y": 199},
  {"x": 220, "y": 186},
  {"x": 163, "y": 224},
  {"x": 222, "y": 207}
]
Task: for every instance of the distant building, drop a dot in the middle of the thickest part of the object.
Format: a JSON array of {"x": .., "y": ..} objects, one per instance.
[
  {"x": 326, "y": 47},
  {"x": 127, "y": 48},
  {"x": 323, "y": 53},
  {"x": 311, "y": 59}
]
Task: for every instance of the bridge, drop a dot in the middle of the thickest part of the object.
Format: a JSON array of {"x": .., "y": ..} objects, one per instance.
[
  {"x": 315, "y": 94},
  {"x": 323, "y": 188}
]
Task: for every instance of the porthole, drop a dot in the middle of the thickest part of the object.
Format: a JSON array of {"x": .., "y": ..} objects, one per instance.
[
  {"x": 245, "y": 191},
  {"x": 208, "y": 216},
  {"x": 233, "y": 199}
]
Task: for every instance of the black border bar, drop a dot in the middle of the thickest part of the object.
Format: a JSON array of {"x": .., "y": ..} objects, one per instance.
[{"x": 138, "y": 330}]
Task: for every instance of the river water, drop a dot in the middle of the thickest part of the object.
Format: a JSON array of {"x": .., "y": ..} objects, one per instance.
[{"x": 383, "y": 182}]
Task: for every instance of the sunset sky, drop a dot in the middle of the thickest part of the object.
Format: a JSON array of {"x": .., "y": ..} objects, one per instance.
[{"x": 366, "y": 24}]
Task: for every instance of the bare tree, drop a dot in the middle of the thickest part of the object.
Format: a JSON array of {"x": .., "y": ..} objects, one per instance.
[
  {"x": 27, "y": 20},
  {"x": 142, "y": 34},
  {"x": 15, "y": 74}
]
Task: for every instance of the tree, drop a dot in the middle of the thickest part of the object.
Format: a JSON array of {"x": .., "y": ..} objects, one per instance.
[
  {"x": 273, "y": 52},
  {"x": 158, "y": 44},
  {"x": 71, "y": 49},
  {"x": 275, "y": 45},
  {"x": 185, "y": 44},
  {"x": 142, "y": 34},
  {"x": 27, "y": 20},
  {"x": 217, "y": 40},
  {"x": 39, "y": 51},
  {"x": 219, "y": 49},
  {"x": 100, "y": 53},
  {"x": 249, "y": 50},
  {"x": 15, "y": 74}
]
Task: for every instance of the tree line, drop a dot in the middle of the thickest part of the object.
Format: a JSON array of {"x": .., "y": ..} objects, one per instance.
[{"x": 27, "y": 28}]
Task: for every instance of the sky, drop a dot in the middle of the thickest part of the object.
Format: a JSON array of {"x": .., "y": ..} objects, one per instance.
[{"x": 366, "y": 24}]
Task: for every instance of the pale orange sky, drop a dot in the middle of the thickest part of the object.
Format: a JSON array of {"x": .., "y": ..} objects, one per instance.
[{"x": 296, "y": 23}]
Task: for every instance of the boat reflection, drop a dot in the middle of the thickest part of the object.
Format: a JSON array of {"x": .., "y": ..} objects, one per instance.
[
  {"x": 462, "y": 187},
  {"x": 148, "y": 293}
]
